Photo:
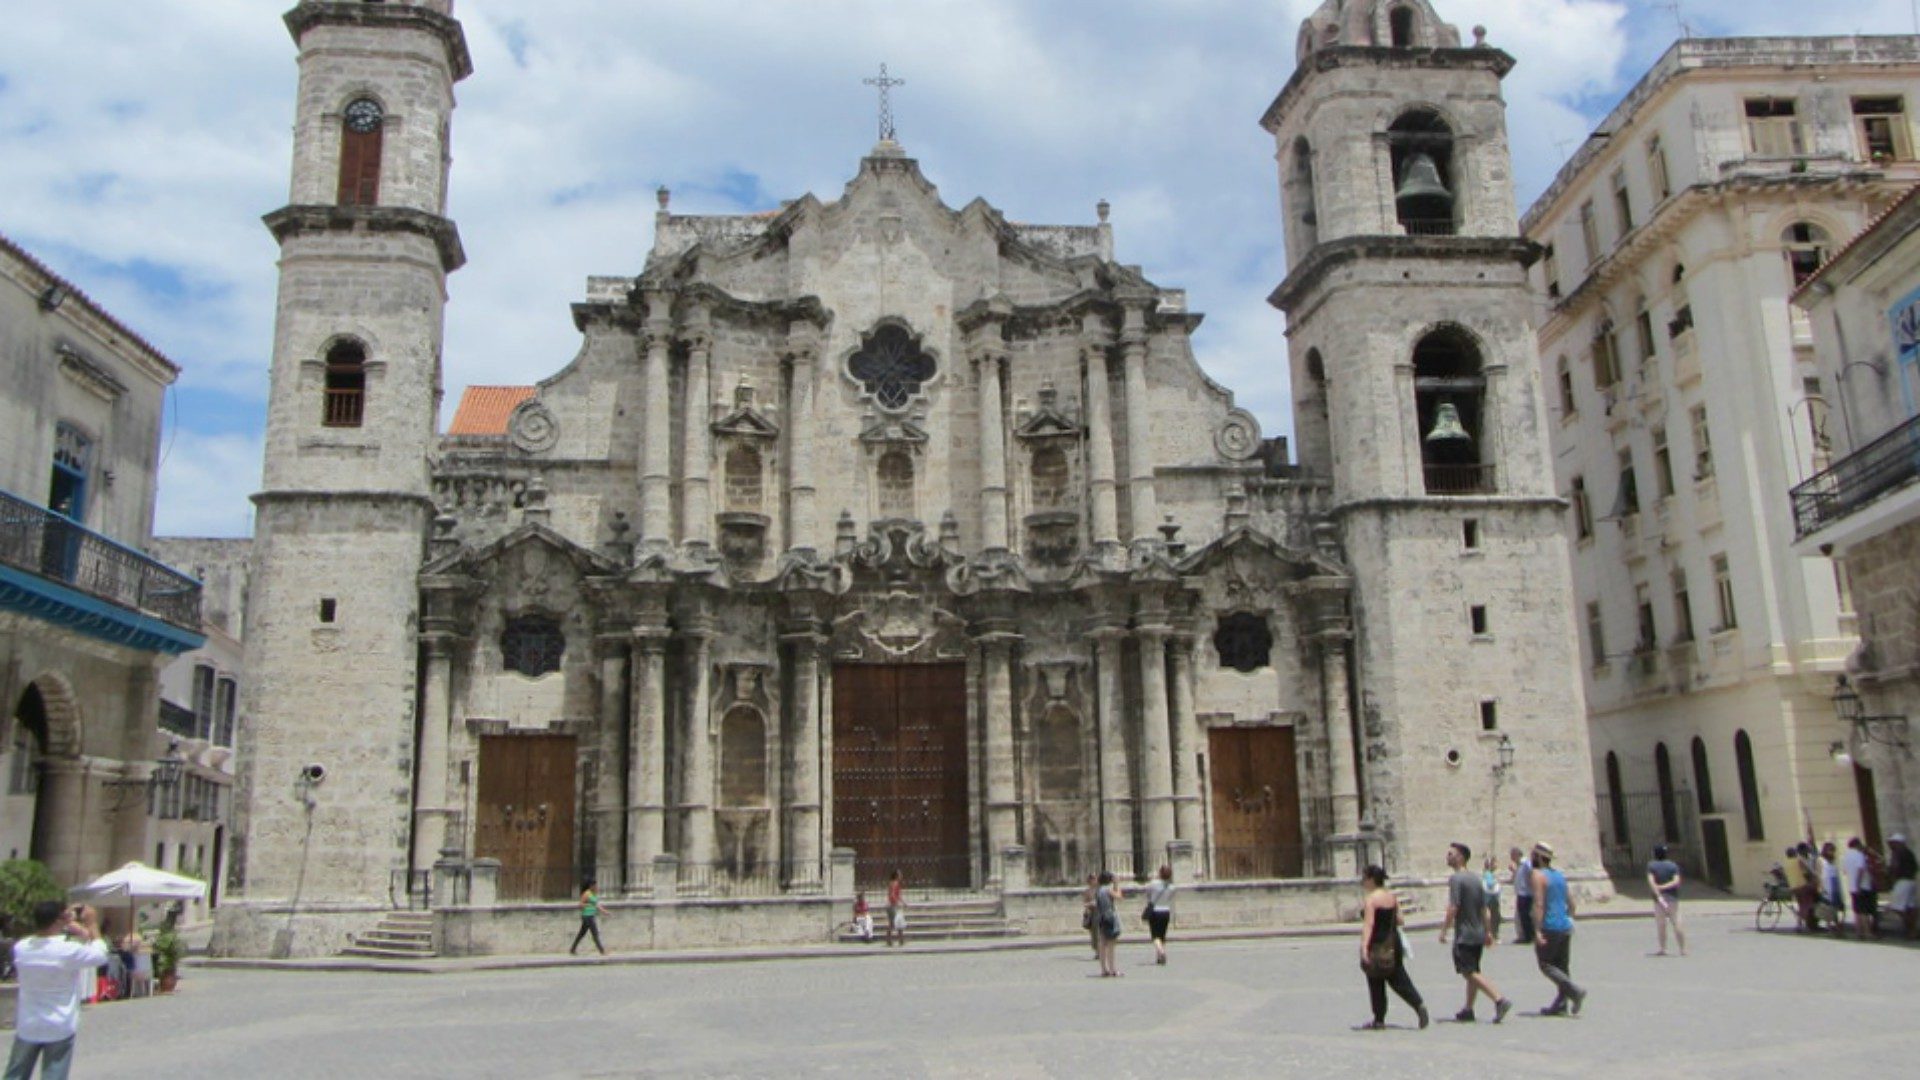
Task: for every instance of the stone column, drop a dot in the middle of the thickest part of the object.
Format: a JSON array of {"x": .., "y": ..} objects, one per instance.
[
  {"x": 1116, "y": 779},
  {"x": 1343, "y": 779},
  {"x": 696, "y": 748},
  {"x": 1156, "y": 762},
  {"x": 646, "y": 746},
  {"x": 68, "y": 801},
  {"x": 696, "y": 485},
  {"x": 1188, "y": 813},
  {"x": 609, "y": 828},
  {"x": 430, "y": 807},
  {"x": 1143, "y": 513},
  {"x": 801, "y": 512},
  {"x": 993, "y": 455},
  {"x": 803, "y": 796},
  {"x": 656, "y": 480},
  {"x": 1003, "y": 806},
  {"x": 1100, "y": 468}
]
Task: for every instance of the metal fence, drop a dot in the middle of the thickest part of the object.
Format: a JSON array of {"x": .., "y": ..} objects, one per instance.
[
  {"x": 1888, "y": 462},
  {"x": 53, "y": 546},
  {"x": 1632, "y": 823}
]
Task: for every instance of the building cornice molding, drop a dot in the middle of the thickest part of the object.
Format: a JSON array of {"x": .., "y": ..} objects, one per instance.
[
  {"x": 299, "y": 220},
  {"x": 1481, "y": 58},
  {"x": 1325, "y": 258},
  {"x": 309, "y": 14}
]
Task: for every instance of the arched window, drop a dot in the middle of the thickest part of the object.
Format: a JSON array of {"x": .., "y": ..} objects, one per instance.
[
  {"x": 1702, "y": 777},
  {"x": 743, "y": 758},
  {"x": 1305, "y": 208},
  {"x": 1052, "y": 479},
  {"x": 1669, "y": 809},
  {"x": 1400, "y": 27},
  {"x": 1749, "y": 785},
  {"x": 1421, "y": 149},
  {"x": 72, "y": 464},
  {"x": 1449, "y": 387},
  {"x": 893, "y": 478},
  {"x": 1057, "y": 748},
  {"x": 744, "y": 480},
  {"x": 360, "y": 127},
  {"x": 346, "y": 388},
  {"x": 1805, "y": 245},
  {"x": 1616, "y": 797}
]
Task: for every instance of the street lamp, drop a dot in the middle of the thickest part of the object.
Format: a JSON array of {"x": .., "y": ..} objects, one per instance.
[
  {"x": 1505, "y": 750},
  {"x": 1888, "y": 730},
  {"x": 164, "y": 774}
]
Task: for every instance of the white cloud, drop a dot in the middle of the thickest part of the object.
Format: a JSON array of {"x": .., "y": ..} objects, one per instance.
[
  {"x": 137, "y": 154},
  {"x": 205, "y": 481}
]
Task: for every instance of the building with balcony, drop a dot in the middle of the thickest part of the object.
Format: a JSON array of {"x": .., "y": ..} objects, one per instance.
[
  {"x": 1864, "y": 508},
  {"x": 87, "y": 617},
  {"x": 1683, "y": 401}
]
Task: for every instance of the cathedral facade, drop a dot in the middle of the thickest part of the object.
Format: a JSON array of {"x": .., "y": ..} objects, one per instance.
[{"x": 873, "y": 534}]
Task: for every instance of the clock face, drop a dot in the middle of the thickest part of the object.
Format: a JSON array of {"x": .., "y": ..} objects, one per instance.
[{"x": 363, "y": 116}]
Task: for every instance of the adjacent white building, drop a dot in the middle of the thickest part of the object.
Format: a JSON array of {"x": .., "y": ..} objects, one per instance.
[{"x": 1684, "y": 401}]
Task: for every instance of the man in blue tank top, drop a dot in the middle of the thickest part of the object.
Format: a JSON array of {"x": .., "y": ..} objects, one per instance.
[{"x": 1553, "y": 909}]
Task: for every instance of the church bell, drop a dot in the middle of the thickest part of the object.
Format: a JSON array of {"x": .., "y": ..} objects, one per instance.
[
  {"x": 1422, "y": 194},
  {"x": 1447, "y": 427}
]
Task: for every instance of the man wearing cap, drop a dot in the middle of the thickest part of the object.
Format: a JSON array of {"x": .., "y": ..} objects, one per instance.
[
  {"x": 1902, "y": 866},
  {"x": 1553, "y": 910}
]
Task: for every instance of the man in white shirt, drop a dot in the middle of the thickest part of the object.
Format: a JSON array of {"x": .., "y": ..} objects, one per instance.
[
  {"x": 65, "y": 943},
  {"x": 1866, "y": 901}
]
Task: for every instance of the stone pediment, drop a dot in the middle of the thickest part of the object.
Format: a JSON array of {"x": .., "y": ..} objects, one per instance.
[
  {"x": 1245, "y": 547},
  {"x": 746, "y": 421},
  {"x": 1047, "y": 422},
  {"x": 485, "y": 560},
  {"x": 886, "y": 431}
]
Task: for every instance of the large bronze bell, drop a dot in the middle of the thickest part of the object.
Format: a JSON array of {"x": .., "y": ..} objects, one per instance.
[
  {"x": 1422, "y": 194},
  {"x": 1447, "y": 427}
]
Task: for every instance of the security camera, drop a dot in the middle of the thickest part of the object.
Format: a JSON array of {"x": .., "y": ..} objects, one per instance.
[
  {"x": 313, "y": 774},
  {"x": 1826, "y": 549}
]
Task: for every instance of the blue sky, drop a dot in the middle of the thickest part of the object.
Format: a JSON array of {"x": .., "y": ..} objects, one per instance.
[{"x": 141, "y": 140}]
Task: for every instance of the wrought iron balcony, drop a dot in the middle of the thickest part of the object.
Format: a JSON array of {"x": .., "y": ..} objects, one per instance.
[
  {"x": 1870, "y": 473},
  {"x": 1459, "y": 479},
  {"x": 59, "y": 570}
]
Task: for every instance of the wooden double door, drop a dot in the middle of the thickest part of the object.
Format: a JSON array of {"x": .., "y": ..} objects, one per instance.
[
  {"x": 900, "y": 772},
  {"x": 1256, "y": 804},
  {"x": 526, "y": 814}
]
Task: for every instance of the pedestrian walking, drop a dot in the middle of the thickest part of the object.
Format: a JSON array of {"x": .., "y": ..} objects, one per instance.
[
  {"x": 1159, "y": 911},
  {"x": 1382, "y": 956},
  {"x": 65, "y": 946},
  {"x": 1106, "y": 906},
  {"x": 1490, "y": 884},
  {"x": 1858, "y": 871},
  {"x": 589, "y": 918},
  {"x": 1903, "y": 868},
  {"x": 1553, "y": 911},
  {"x": 1522, "y": 896},
  {"x": 1663, "y": 876},
  {"x": 896, "y": 910},
  {"x": 1466, "y": 911}
]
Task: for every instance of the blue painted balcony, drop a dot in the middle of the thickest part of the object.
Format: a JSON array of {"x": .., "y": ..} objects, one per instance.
[
  {"x": 1866, "y": 493},
  {"x": 61, "y": 572}
]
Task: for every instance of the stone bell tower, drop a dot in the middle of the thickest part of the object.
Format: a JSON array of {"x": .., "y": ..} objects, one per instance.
[
  {"x": 1417, "y": 391},
  {"x": 332, "y": 645}
]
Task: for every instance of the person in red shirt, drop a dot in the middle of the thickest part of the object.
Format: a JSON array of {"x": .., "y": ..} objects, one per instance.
[{"x": 896, "y": 910}]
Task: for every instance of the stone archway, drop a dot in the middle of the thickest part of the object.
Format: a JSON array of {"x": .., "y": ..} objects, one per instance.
[
  {"x": 49, "y": 709},
  {"x": 62, "y": 710}
]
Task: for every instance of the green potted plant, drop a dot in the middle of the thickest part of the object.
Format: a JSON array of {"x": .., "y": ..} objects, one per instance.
[{"x": 167, "y": 950}]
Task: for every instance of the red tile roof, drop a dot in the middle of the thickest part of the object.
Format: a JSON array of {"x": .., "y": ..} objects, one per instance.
[
  {"x": 1855, "y": 241},
  {"x": 484, "y": 410}
]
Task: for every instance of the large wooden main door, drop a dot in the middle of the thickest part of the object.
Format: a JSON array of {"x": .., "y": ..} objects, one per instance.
[
  {"x": 900, "y": 771},
  {"x": 1256, "y": 804},
  {"x": 526, "y": 814}
]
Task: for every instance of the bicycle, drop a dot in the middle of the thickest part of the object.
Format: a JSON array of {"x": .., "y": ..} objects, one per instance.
[{"x": 1777, "y": 903}]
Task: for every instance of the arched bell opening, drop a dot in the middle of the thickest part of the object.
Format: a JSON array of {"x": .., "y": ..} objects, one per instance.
[
  {"x": 1400, "y": 27},
  {"x": 1421, "y": 148},
  {"x": 1306, "y": 216},
  {"x": 1449, "y": 386}
]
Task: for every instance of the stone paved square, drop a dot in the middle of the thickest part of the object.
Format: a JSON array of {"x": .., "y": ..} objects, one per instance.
[{"x": 1745, "y": 1004}]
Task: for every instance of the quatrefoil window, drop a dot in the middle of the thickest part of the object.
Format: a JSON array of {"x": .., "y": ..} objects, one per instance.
[
  {"x": 891, "y": 366},
  {"x": 532, "y": 645}
]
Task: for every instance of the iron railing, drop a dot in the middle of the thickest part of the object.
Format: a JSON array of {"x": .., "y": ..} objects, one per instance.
[
  {"x": 410, "y": 890},
  {"x": 1631, "y": 823},
  {"x": 344, "y": 408},
  {"x": 1459, "y": 479},
  {"x": 1430, "y": 226},
  {"x": 54, "y": 546},
  {"x": 1887, "y": 463}
]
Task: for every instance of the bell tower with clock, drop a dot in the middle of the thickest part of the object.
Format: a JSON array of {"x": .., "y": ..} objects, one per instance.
[
  {"x": 345, "y": 510},
  {"x": 1416, "y": 387}
]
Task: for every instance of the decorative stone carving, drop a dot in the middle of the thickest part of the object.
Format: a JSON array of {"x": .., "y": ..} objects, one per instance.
[
  {"x": 894, "y": 546},
  {"x": 898, "y": 624},
  {"x": 1238, "y": 436},
  {"x": 533, "y": 428},
  {"x": 988, "y": 571}
]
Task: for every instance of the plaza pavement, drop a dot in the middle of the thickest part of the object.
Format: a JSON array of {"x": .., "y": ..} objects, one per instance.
[{"x": 1744, "y": 1004}]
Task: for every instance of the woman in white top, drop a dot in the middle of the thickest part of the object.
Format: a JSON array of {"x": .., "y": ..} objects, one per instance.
[{"x": 1160, "y": 911}]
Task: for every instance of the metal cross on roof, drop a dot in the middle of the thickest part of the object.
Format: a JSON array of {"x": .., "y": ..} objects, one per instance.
[{"x": 886, "y": 83}]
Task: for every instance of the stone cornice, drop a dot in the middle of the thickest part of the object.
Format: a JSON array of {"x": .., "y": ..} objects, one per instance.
[
  {"x": 291, "y": 221},
  {"x": 310, "y": 14},
  {"x": 1326, "y": 257},
  {"x": 1384, "y": 58}
]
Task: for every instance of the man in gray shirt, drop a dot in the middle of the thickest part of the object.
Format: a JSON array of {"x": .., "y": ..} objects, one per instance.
[{"x": 1466, "y": 917}]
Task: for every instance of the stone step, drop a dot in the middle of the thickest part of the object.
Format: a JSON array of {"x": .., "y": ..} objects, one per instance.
[
  {"x": 421, "y": 917},
  {"x": 387, "y": 953},
  {"x": 394, "y": 939},
  {"x": 921, "y": 933}
]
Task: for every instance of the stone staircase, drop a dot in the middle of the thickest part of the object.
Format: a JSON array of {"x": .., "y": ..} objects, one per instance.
[
  {"x": 940, "y": 920},
  {"x": 401, "y": 935}
]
